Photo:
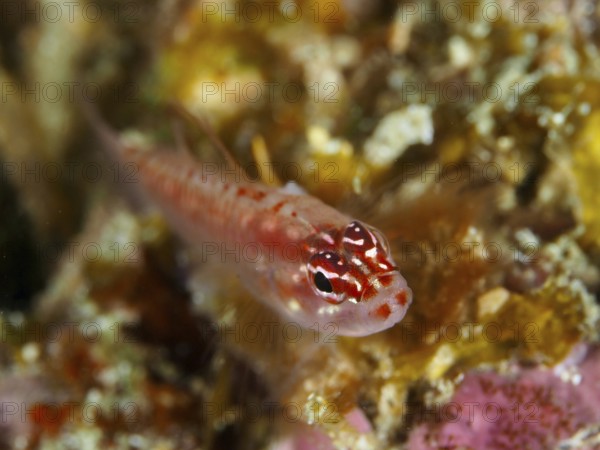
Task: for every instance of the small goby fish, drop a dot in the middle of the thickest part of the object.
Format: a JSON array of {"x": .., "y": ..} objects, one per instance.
[{"x": 312, "y": 264}]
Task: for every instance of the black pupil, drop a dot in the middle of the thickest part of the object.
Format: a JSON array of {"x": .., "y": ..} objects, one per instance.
[{"x": 323, "y": 283}]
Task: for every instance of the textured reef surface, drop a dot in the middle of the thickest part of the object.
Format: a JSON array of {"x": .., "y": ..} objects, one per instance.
[{"x": 467, "y": 131}]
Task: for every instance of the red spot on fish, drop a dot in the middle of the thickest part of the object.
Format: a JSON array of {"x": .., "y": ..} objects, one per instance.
[
  {"x": 254, "y": 195},
  {"x": 294, "y": 214},
  {"x": 278, "y": 206},
  {"x": 370, "y": 291},
  {"x": 401, "y": 298},
  {"x": 383, "y": 311},
  {"x": 386, "y": 280}
]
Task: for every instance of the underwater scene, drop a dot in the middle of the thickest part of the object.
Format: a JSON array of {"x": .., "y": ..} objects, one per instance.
[{"x": 300, "y": 224}]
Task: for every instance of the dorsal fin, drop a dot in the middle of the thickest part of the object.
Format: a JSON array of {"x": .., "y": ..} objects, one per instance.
[
  {"x": 262, "y": 159},
  {"x": 109, "y": 137},
  {"x": 206, "y": 127}
]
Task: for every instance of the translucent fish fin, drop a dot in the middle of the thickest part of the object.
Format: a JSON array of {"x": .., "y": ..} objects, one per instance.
[
  {"x": 206, "y": 127},
  {"x": 109, "y": 137},
  {"x": 261, "y": 156},
  {"x": 181, "y": 144}
]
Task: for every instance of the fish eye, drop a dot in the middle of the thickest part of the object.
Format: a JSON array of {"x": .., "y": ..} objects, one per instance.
[
  {"x": 326, "y": 272},
  {"x": 322, "y": 283}
]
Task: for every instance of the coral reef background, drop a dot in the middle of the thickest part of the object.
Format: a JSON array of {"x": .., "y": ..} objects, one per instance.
[{"x": 466, "y": 130}]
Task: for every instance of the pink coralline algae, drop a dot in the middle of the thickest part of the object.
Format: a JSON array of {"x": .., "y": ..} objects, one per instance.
[{"x": 530, "y": 410}]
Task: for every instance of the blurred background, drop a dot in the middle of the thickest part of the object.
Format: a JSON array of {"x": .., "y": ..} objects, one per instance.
[{"x": 465, "y": 130}]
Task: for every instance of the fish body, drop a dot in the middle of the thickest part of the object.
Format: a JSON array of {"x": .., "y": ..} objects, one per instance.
[{"x": 308, "y": 261}]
